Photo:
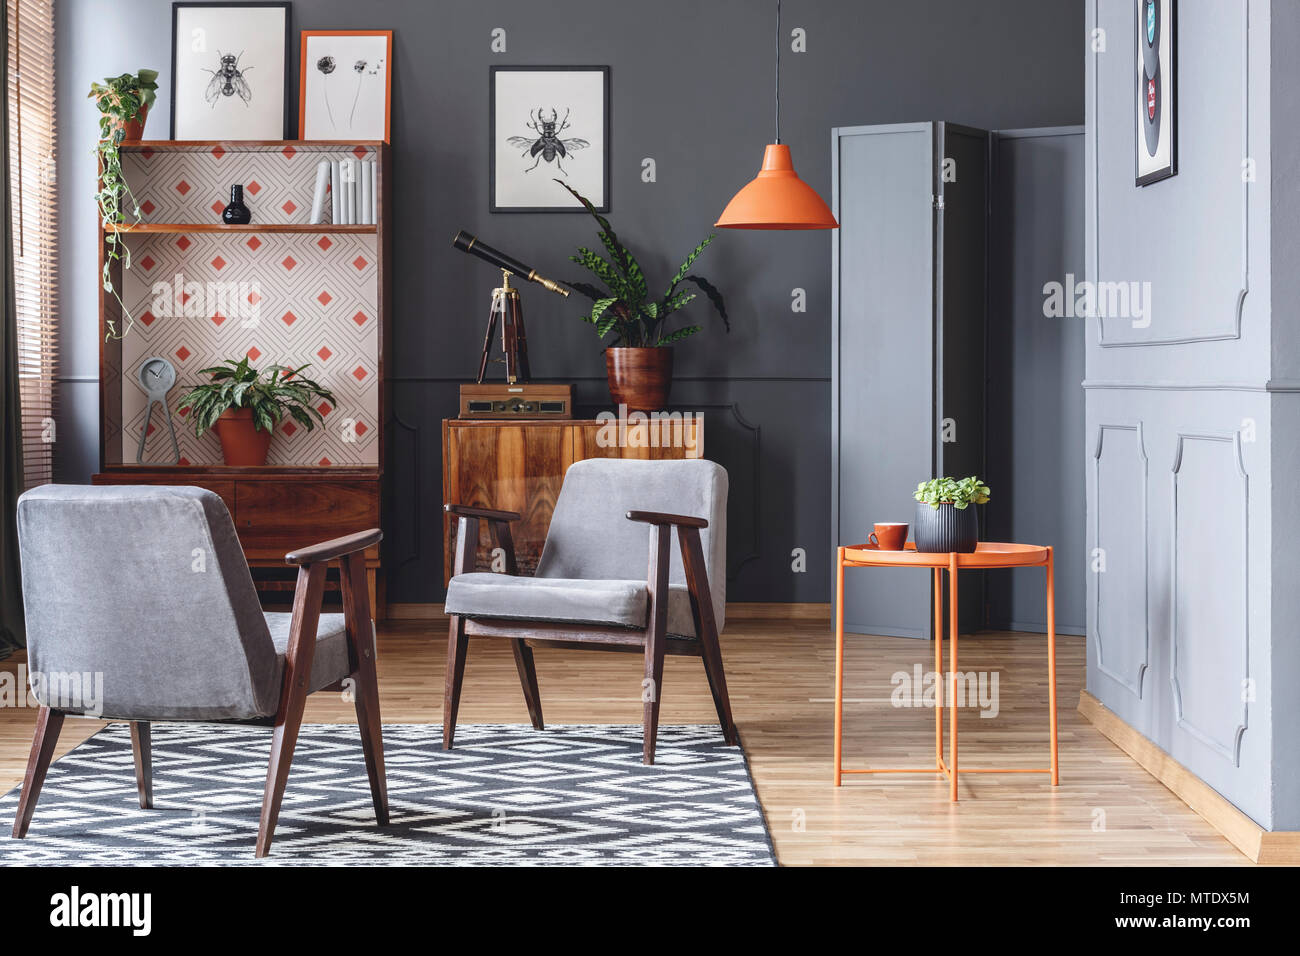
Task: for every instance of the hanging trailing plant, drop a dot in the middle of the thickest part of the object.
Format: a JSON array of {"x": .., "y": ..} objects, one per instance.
[{"x": 120, "y": 100}]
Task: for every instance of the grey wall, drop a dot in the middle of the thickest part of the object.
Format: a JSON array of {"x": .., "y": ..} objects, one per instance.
[
  {"x": 1191, "y": 421},
  {"x": 691, "y": 88}
]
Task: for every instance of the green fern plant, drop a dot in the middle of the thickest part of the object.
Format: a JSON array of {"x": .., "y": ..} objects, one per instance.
[
  {"x": 624, "y": 307},
  {"x": 271, "y": 394}
]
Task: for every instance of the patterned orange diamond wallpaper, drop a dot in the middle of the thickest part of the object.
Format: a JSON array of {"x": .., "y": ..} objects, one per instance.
[{"x": 287, "y": 299}]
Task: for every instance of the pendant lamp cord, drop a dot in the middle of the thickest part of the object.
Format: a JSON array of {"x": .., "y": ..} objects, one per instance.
[{"x": 778, "y": 71}]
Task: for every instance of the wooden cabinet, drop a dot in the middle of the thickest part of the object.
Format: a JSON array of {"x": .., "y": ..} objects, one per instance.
[
  {"x": 276, "y": 511},
  {"x": 520, "y": 466}
]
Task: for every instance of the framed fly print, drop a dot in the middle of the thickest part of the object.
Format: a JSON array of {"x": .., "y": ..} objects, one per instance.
[
  {"x": 547, "y": 123},
  {"x": 345, "y": 84},
  {"x": 230, "y": 71},
  {"x": 1156, "y": 80}
]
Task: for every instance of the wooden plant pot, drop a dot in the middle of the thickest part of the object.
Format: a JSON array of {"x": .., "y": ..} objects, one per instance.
[
  {"x": 640, "y": 378},
  {"x": 241, "y": 442}
]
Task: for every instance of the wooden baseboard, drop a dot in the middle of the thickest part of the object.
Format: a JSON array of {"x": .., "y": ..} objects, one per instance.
[
  {"x": 770, "y": 611},
  {"x": 740, "y": 611},
  {"x": 1258, "y": 844}
]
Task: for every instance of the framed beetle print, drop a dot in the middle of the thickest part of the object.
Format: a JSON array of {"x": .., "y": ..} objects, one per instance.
[{"x": 547, "y": 123}]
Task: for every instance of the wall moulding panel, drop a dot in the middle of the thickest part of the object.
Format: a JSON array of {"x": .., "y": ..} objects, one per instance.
[
  {"x": 1119, "y": 570},
  {"x": 1209, "y": 629},
  {"x": 1215, "y": 145}
]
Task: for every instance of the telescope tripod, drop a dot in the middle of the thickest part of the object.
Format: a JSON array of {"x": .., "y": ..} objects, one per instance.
[{"x": 508, "y": 310}]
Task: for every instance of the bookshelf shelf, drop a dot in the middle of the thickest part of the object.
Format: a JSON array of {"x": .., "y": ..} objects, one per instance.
[{"x": 289, "y": 228}]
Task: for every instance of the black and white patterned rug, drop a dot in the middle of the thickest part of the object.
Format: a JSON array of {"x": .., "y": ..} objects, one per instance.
[{"x": 506, "y": 796}]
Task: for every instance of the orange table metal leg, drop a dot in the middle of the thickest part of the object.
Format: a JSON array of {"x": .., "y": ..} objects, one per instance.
[
  {"x": 839, "y": 662},
  {"x": 938, "y": 668},
  {"x": 1051, "y": 661},
  {"x": 952, "y": 636}
]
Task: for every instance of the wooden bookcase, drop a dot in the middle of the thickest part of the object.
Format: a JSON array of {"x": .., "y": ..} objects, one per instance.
[
  {"x": 520, "y": 465},
  {"x": 279, "y": 290}
]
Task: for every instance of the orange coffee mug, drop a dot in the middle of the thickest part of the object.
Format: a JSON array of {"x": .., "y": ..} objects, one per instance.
[{"x": 889, "y": 535}]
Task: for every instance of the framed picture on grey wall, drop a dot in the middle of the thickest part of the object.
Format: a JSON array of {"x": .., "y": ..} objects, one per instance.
[
  {"x": 230, "y": 71},
  {"x": 547, "y": 123},
  {"x": 1156, "y": 80}
]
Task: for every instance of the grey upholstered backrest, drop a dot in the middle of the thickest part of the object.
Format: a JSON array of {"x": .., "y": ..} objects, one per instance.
[
  {"x": 148, "y": 587},
  {"x": 590, "y": 537}
]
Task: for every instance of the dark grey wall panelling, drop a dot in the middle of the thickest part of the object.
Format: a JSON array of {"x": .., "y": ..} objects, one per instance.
[{"x": 691, "y": 88}]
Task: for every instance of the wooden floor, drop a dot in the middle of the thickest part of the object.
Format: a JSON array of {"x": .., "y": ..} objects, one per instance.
[{"x": 1107, "y": 810}]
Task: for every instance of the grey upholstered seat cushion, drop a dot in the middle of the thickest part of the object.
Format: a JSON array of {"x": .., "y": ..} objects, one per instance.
[
  {"x": 330, "y": 665},
  {"x": 614, "y": 602}
]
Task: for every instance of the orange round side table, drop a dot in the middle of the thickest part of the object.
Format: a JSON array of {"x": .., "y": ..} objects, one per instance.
[{"x": 987, "y": 555}]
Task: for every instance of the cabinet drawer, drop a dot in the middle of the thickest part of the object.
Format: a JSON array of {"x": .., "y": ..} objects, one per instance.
[{"x": 303, "y": 512}]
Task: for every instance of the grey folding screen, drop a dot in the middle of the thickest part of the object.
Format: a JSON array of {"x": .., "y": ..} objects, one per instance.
[
  {"x": 908, "y": 308},
  {"x": 947, "y": 236}
]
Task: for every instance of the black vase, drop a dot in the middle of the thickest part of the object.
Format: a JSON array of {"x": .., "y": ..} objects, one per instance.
[
  {"x": 944, "y": 529},
  {"x": 236, "y": 214}
]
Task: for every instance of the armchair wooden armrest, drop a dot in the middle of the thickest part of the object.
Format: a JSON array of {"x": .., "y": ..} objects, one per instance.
[
  {"x": 467, "y": 511},
  {"x": 335, "y": 548},
  {"x": 467, "y": 518},
  {"x": 660, "y": 518}
]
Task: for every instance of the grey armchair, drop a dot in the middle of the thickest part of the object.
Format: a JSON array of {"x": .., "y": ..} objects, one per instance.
[
  {"x": 148, "y": 586},
  {"x": 594, "y": 587}
]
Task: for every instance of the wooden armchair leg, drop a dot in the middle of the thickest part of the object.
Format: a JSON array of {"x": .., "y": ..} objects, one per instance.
[
  {"x": 528, "y": 678},
  {"x": 712, "y": 654},
  {"x": 352, "y": 576},
  {"x": 48, "y": 724},
  {"x": 141, "y": 750},
  {"x": 651, "y": 691},
  {"x": 293, "y": 696},
  {"x": 457, "y": 646},
  {"x": 706, "y": 627},
  {"x": 656, "y": 639}
]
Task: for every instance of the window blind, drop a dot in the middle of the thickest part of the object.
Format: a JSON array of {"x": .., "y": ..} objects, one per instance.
[{"x": 34, "y": 208}]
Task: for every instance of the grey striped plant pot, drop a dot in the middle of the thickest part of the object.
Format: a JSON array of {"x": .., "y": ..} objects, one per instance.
[{"x": 944, "y": 529}]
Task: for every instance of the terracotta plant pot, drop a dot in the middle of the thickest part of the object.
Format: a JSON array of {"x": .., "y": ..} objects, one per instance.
[
  {"x": 241, "y": 442},
  {"x": 133, "y": 129},
  {"x": 640, "y": 378}
]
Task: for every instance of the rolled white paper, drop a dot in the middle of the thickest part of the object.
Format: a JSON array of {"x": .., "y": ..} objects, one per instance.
[
  {"x": 318, "y": 195},
  {"x": 374, "y": 192},
  {"x": 365, "y": 194},
  {"x": 336, "y": 192}
]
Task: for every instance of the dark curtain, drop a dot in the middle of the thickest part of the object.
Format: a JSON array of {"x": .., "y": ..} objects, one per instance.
[{"x": 12, "y": 633}]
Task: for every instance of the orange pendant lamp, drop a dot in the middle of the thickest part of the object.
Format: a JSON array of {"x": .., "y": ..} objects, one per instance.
[{"x": 777, "y": 198}]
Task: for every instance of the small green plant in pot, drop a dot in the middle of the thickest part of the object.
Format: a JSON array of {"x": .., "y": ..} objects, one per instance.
[
  {"x": 244, "y": 406},
  {"x": 945, "y": 520},
  {"x": 123, "y": 103},
  {"x": 639, "y": 359}
]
